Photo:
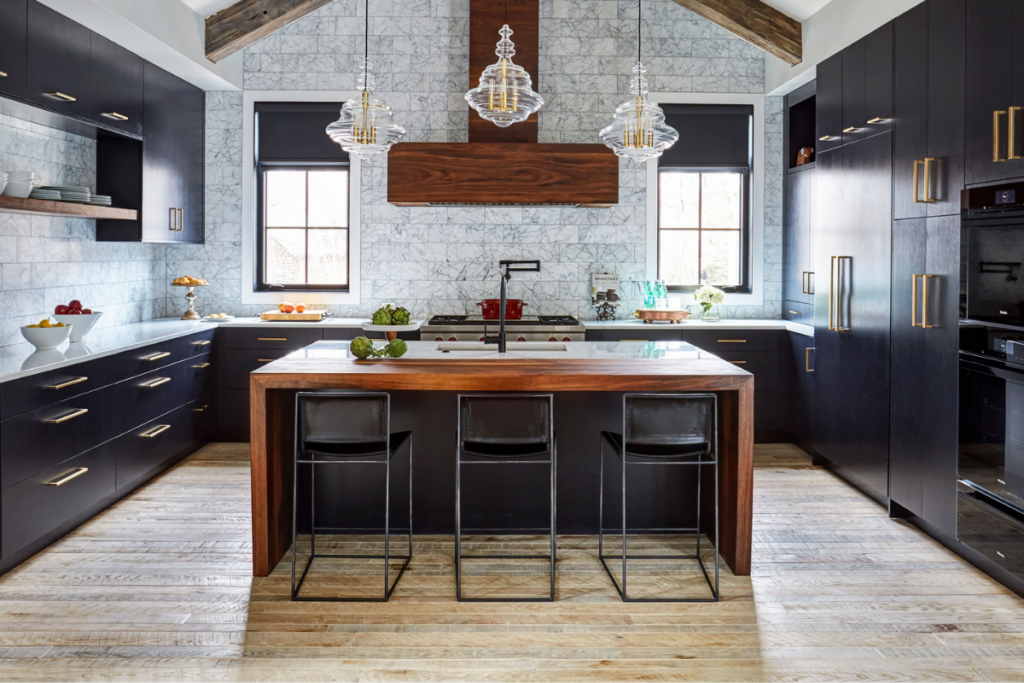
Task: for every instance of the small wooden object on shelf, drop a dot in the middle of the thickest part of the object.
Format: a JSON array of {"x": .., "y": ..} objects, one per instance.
[
  {"x": 650, "y": 315},
  {"x": 304, "y": 317},
  {"x": 42, "y": 207},
  {"x": 191, "y": 313}
]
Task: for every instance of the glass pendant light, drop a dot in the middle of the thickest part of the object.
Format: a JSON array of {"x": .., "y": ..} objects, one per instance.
[
  {"x": 505, "y": 94},
  {"x": 638, "y": 130},
  {"x": 366, "y": 126}
]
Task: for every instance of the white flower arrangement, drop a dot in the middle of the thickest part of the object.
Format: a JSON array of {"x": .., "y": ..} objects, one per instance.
[{"x": 708, "y": 296}]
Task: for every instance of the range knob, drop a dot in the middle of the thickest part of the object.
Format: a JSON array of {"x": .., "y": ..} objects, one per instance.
[
  {"x": 566, "y": 339},
  {"x": 438, "y": 338},
  {"x": 452, "y": 339},
  {"x": 483, "y": 339},
  {"x": 521, "y": 339},
  {"x": 553, "y": 339}
]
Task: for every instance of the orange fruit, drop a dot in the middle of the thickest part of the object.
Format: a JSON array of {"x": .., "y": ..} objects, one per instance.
[{"x": 300, "y": 308}]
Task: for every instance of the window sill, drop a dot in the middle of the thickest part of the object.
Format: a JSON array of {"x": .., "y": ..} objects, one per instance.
[{"x": 309, "y": 297}]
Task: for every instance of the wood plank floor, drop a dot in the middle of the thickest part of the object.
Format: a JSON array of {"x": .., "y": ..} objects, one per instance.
[{"x": 159, "y": 588}]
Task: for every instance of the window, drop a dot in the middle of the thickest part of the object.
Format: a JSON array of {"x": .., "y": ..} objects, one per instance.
[
  {"x": 704, "y": 187},
  {"x": 702, "y": 228},
  {"x": 303, "y": 241}
]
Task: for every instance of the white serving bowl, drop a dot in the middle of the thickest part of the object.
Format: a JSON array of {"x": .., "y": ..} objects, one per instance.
[
  {"x": 45, "y": 338},
  {"x": 18, "y": 188},
  {"x": 82, "y": 324}
]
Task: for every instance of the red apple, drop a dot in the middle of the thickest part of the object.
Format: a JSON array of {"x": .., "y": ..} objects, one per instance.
[
  {"x": 75, "y": 305},
  {"x": 74, "y": 311},
  {"x": 61, "y": 310},
  {"x": 86, "y": 311}
]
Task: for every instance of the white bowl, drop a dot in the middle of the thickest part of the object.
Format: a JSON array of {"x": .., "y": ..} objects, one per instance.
[
  {"x": 82, "y": 324},
  {"x": 18, "y": 188},
  {"x": 21, "y": 175},
  {"x": 45, "y": 338},
  {"x": 3, "y": 181}
]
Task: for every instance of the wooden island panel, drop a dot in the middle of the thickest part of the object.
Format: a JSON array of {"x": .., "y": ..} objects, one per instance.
[{"x": 272, "y": 406}]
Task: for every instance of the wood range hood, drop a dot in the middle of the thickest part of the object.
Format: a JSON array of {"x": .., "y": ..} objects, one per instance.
[{"x": 502, "y": 166}]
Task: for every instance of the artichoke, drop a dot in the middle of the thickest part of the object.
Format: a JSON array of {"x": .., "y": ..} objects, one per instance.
[
  {"x": 362, "y": 348},
  {"x": 397, "y": 348},
  {"x": 382, "y": 316},
  {"x": 400, "y": 316}
]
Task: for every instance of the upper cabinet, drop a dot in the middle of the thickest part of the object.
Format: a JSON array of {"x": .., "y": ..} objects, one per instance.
[
  {"x": 830, "y": 103},
  {"x": 929, "y": 90},
  {"x": 13, "y": 30},
  {"x": 878, "y": 51},
  {"x": 116, "y": 97},
  {"x": 995, "y": 90},
  {"x": 59, "y": 62},
  {"x": 854, "y": 91}
]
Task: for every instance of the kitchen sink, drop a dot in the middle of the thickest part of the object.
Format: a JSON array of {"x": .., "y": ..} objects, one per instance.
[{"x": 512, "y": 346}]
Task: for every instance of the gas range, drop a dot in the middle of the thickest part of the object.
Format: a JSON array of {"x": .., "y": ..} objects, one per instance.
[{"x": 529, "y": 328}]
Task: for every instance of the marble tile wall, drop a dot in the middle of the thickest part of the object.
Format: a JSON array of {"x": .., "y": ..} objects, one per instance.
[{"x": 46, "y": 261}]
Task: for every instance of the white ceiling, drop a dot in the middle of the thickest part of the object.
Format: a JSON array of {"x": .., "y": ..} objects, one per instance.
[{"x": 798, "y": 9}]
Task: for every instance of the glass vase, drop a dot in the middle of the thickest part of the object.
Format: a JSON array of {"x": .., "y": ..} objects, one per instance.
[{"x": 711, "y": 315}]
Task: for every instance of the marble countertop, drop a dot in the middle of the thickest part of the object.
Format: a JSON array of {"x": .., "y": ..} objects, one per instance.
[
  {"x": 348, "y": 323},
  {"x": 634, "y": 324}
]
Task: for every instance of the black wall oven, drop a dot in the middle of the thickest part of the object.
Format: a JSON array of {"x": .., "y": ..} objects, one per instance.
[{"x": 992, "y": 254}]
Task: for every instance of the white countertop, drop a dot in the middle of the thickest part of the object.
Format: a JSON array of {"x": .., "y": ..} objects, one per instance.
[
  {"x": 634, "y": 324},
  {"x": 350, "y": 323}
]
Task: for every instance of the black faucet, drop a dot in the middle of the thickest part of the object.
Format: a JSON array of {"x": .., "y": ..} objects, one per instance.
[{"x": 507, "y": 267}]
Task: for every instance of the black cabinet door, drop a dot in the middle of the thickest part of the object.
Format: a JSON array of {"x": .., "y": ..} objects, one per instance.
[
  {"x": 829, "y": 103},
  {"x": 800, "y": 390},
  {"x": 116, "y": 99},
  {"x": 990, "y": 73},
  {"x": 878, "y": 81},
  {"x": 162, "y": 183},
  {"x": 947, "y": 44},
  {"x": 854, "y": 91},
  {"x": 58, "y": 61},
  {"x": 910, "y": 132},
  {"x": 796, "y": 236},
  {"x": 13, "y": 34},
  {"x": 191, "y": 163}
]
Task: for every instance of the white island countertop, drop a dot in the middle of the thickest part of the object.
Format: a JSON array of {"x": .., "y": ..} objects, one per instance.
[{"x": 632, "y": 323}]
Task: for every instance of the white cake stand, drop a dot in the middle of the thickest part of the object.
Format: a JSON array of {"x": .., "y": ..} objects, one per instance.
[{"x": 391, "y": 331}]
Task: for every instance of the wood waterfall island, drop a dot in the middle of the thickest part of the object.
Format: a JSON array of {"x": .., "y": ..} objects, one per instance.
[{"x": 587, "y": 380}]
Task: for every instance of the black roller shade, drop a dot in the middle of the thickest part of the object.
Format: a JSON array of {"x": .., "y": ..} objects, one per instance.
[
  {"x": 296, "y": 132},
  {"x": 711, "y": 137}
]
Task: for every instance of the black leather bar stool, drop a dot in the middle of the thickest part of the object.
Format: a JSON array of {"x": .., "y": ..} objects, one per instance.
[
  {"x": 336, "y": 428},
  {"x": 498, "y": 431},
  {"x": 663, "y": 430}
]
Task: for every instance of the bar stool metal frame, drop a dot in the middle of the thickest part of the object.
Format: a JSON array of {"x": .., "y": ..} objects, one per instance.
[
  {"x": 666, "y": 462},
  {"x": 389, "y": 453},
  {"x": 552, "y": 461}
]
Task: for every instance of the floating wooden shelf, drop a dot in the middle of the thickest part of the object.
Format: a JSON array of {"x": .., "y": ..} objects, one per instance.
[{"x": 39, "y": 207}]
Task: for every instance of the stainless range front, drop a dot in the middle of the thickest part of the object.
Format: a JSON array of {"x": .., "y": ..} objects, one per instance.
[{"x": 530, "y": 328}]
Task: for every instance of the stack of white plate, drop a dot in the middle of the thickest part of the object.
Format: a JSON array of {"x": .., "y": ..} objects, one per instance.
[
  {"x": 80, "y": 195},
  {"x": 100, "y": 200},
  {"x": 48, "y": 195}
]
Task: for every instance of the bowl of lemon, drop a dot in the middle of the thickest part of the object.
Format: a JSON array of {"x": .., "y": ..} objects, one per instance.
[{"x": 46, "y": 334}]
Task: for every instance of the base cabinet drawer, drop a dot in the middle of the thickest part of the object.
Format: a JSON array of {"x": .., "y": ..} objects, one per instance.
[
  {"x": 47, "y": 501},
  {"x": 798, "y": 312},
  {"x": 735, "y": 340},
  {"x": 240, "y": 362},
  {"x": 268, "y": 337},
  {"x": 140, "y": 361},
  {"x": 763, "y": 365},
  {"x": 200, "y": 343},
  {"x": 233, "y": 413},
  {"x": 151, "y": 394},
  {"x": 200, "y": 374},
  {"x": 657, "y": 332},
  {"x": 147, "y": 447},
  {"x": 36, "y": 391}
]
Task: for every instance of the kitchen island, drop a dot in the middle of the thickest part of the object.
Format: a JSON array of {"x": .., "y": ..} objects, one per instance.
[{"x": 588, "y": 380}]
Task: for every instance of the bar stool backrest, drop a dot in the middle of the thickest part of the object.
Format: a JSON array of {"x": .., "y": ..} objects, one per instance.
[
  {"x": 505, "y": 425},
  {"x": 669, "y": 425},
  {"x": 343, "y": 419}
]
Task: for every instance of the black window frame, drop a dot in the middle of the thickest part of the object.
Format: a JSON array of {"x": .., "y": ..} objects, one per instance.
[
  {"x": 745, "y": 228},
  {"x": 261, "y": 285}
]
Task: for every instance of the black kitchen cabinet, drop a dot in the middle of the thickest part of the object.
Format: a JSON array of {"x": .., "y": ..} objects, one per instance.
[
  {"x": 878, "y": 95},
  {"x": 798, "y": 275},
  {"x": 830, "y": 103},
  {"x": 13, "y": 35},
  {"x": 854, "y": 91},
  {"x": 116, "y": 91},
  {"x": 852, "y": 307},
  {"x": 800, "y": 390},
  {"x": 923, "y": 393},
  {"x": 929, "y": 76},
  {"x": 59, "y": 61},
  {"x": 995, "y": 90}
]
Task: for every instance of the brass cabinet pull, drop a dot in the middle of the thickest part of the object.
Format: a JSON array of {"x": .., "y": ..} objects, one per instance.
[
  {"x": 738, "y": 362},
  {"x": 78, "y": 471},
  {"x": 272, "y": 339},
  {"x": 62, "y": 96},
  {"x": 795, "y": 313},
  {"x": 70, "y": 382},
  {"x": 924, "y": 304},
  {"x": 995, "y": 136},
  {"x": 803, "y": 282},
  {"x": 3, "y": 74},
  {"x": 732, "y": 341},
  {"x": 172, "y": 224},
  {"x": 850, "y": 129},
  {"x": 201, "y": 366},
  {"x": 913, "y": 304},
  {"x": 835, "y": 296},
  {"x": 831, "y": 294},
  {"x": 877, "y": 119},
  {"x": 156, "y": 431},
  {"x": 158, "y": 356},
  {"x": 807, "y": 359},
  {"x": 265, "y": 360},
  {"x": 204, "y": 342},
  {"x": 199, "y": 410},
  {"x": 69, "y": 416},
  {"x": 181, "y": 219},
  {"x": 928, "y": 181},
  {"x": 114, "y": 115},
  {"x": 157, "y": 382},
  {"x": 1012, "y": 125},
  {"x": 826, "y": 138}
]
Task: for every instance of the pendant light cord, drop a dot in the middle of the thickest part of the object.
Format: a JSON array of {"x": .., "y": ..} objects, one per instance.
[
  {"x": 639, "y": 33},
  {"x": 506, "y": 12},
  {"x": 366, "y": 35}
]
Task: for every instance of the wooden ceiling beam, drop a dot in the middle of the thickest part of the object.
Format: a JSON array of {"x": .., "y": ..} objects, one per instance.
[
  {"x": 755, "y": 22},
  {"x": 247, "y": 21}
]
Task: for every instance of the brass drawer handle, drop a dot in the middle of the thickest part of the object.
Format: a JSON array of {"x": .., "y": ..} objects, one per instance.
[
  {"x": 158, "y": 356},
  {"x": 738, "y": 362},
  {"x": 265, "y": 360},
  {"x": 114, "y": 115},
  {"x": 201, "y": 366},
  {"x": 157, "y": 382},
  {"x": 3, "y": 74},
  {"x": 877, "y": 119},
  {"x": 156, "y": 431},
  {"x": 807, "y": 359},
  {"x": 69, "y": 416},
  {"x": 79, "y": 471},
  {"x": 732, "y": 341},
  {"x": 850, "y": 129},
  {"x": 62, "y": 96},
  {"x": 794, "y": 313},
  {"x": 204, "y": 342},
  {"x": 996, "y": 156},
  {"x": 272, "y": 339},
  {"x": 72, "y": 382},
  {"x": 199, "y": 410}
]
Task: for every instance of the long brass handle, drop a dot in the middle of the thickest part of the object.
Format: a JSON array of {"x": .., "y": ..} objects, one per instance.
[
  {"x": 913, "y": 303},
  {"x": 69, "y": 383},
  {"x": 917, "y": 182},
  {"x": 201, "y": 366},
  {"x": 62, "y": 96},
  {"x": 181, "y": 219},
  {"x": 928, "y": 181},
  {"x": 732, "y": 341},
  {"x": 157, "y": 382},
  {"x": 807, "y": 359},
  {"x": 156, "y": 431},
  {"x": 172, "y": 223},
  {"x": 803, "y": 282},
  {"x": 272, "y": 339},
  {"x": 114, "y": 115},
  {"x": 738, "y": 362},
  {"x": 69, "y": 416},
  {"x": 924, "y": 304},
  {"x": 836, "y": 295},
  {"x": 995, "y": 136},
  {"x": 832, "y": 295},
  {"x": 265, "y": 360},
  {"x": 79, "y": 471},
  {"x": 877, "y": 119},
  {"x": 850, "y": 129},
  {"x": 204, "y": 342},
  {"x": 158, "y": 356},
  {"x": 839, "y": 303},
  {"x": 1012, "y": 124}
]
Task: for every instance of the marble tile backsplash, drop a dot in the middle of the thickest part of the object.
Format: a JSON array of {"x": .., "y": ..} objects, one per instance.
[{"x": 46, "y": 261}]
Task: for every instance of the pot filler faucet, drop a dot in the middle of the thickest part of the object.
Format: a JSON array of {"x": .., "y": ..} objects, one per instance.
[{"x": 507, "y": 268}]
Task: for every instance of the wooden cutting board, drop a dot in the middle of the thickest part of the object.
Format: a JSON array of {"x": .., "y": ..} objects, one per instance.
[{"x": 306, "y": 317}]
